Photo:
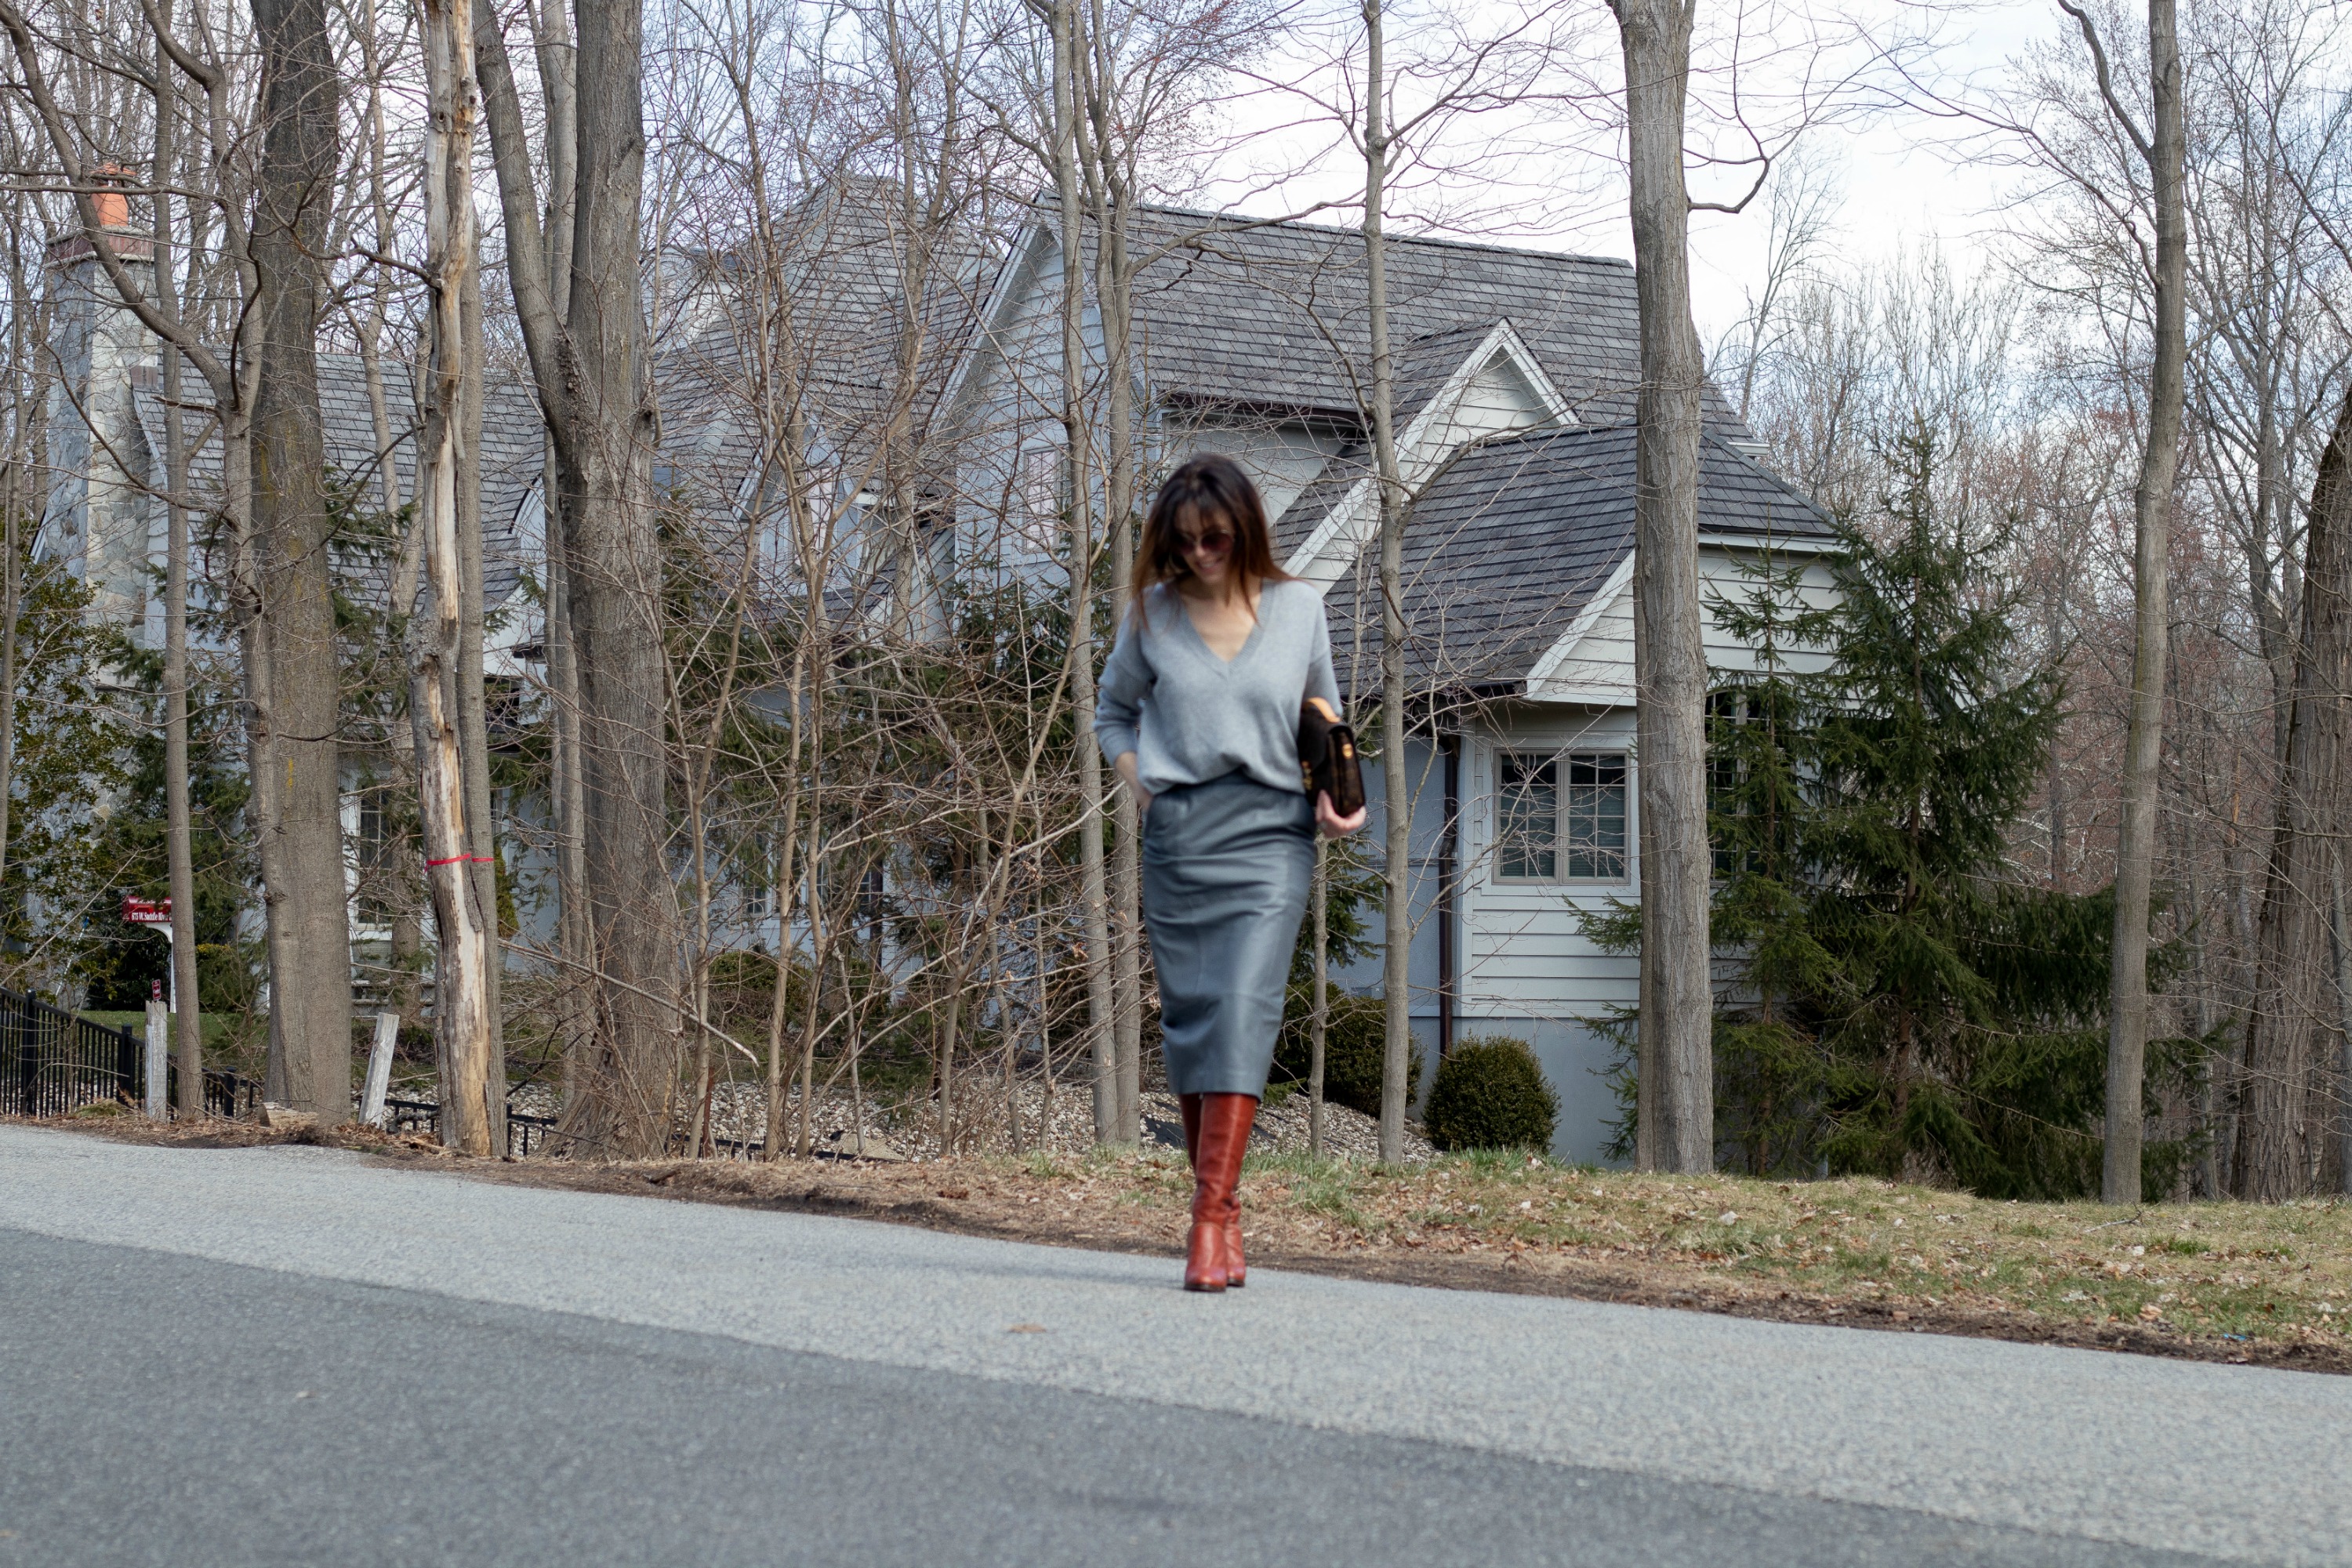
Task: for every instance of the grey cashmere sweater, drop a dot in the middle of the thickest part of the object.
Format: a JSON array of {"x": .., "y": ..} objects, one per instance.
[{"x": 1191, "y": 717}]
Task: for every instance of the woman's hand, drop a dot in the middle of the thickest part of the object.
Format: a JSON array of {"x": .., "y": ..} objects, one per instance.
[
  {"x": 1333, "y": 824},
  {"x": 1125, "y": 767}
]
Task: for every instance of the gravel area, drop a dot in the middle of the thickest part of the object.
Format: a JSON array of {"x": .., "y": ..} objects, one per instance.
[{"x": 1060, "y": 1123}]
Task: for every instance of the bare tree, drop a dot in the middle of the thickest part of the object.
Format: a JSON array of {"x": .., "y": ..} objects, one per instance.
[
  {"x": 470, "y": 1096},
  {"x": 188, "y": 1022},
  {"x": 2161, "y": 149},
  {"x": 301, "y": 830},
  {"x": 590, "y": 367},
  {"x": 1675, "y": 1107},
  {"x": 1396, "y": 972},
  {"x": 1066, "y": 21},
  {"x": 276, "y": 585}
]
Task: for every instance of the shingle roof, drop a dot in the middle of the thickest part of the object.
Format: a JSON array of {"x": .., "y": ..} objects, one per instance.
[
  {"x": 1276, "y": 314},
  {"x": 1514, "y": 537},
  {"x": 511, "y": 457},
  {"x": 825, "y": 349}
]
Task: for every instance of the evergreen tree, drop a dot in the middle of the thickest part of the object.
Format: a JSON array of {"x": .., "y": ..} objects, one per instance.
[
  {"x": 1927, "y": 738},
  {"x": 61, "y": 881},
  {"x": 1903, "y": 1006}
]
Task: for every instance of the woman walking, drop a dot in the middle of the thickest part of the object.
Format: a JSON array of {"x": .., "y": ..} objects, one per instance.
[{"x": 1199, "y": 712}]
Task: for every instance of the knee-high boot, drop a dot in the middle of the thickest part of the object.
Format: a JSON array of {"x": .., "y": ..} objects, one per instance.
[
  {"x": 1243, "y": 1113},
  {"x": 1214, "y": 1254}
]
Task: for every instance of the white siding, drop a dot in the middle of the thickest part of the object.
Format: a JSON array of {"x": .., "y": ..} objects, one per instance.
[
  {"x": 1596, "y": 664},
  {"x": 1524, "y": 966}
]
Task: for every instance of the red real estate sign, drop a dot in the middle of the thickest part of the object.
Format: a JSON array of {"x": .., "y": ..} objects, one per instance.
[{"x": 147, "y": 912}]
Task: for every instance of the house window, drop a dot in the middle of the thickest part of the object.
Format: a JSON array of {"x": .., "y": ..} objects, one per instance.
[
  {"x": 378, "y": 844},
  {"x": 1726, "y": 776},
  {"x": 1041, "y": 484},
  {"x": 1560, "y": 818}
]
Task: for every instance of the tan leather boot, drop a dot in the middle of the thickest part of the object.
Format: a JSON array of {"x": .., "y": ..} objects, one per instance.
[
  {"x": 1215, "y": 1243},
  {"x": 1244, "y": 1117}
]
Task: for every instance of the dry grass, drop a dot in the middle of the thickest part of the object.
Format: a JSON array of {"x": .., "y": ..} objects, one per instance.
[{"x": 2255, "y": 1271}]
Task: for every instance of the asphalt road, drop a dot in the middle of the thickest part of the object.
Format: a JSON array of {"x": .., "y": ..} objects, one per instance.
[{"x": 287, "y": 1355}]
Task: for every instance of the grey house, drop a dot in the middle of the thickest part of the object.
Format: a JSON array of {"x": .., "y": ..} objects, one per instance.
[
  {"x": 1514, "y": 372},
  {"x": 105, "y": 518},
  {"x": 1515, "y": 375}
]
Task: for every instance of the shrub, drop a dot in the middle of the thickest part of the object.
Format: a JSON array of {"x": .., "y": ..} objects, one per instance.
[
  {"x": 1355, "y": 1047},
  {"x": 1490, "y": 1094}
]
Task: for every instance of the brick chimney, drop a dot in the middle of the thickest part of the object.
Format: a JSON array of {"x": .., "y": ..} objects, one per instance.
[{"x": 99, "y": 520}]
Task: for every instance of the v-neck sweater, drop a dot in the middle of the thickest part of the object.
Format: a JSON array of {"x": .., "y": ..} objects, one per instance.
[{"x": 1191, "y": 717}]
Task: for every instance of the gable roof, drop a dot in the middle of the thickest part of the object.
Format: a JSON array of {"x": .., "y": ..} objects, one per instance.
[
  {"x": 1518, "y": 537},
  {"x": 1319, "y": 534},
  {"x": 1273, "y": 315},
  {"x": 1278, "y": 314}
]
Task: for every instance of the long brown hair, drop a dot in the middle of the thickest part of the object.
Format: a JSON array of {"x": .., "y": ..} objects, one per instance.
[{"x": 1208, "y": 490}]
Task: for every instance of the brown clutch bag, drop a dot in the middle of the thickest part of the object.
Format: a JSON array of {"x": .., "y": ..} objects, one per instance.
[{"x": 1327, "y": 758}]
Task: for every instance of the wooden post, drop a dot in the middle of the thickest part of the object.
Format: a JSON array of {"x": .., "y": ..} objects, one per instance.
[
  {"x": 379, "y": 1073},
  {"x": 159, "y": 1036}
]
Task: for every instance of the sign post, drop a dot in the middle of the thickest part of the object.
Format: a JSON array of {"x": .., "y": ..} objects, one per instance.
[
  {"x": 159, "y": 1070},
  {"x": 156, "y": 912}
]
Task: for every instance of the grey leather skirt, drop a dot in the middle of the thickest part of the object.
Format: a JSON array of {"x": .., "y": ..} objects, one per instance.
[{"x": 1227, "y": 867}]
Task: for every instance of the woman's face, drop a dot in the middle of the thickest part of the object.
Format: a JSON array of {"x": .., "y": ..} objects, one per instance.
[{"x": 1208, "y": 550}]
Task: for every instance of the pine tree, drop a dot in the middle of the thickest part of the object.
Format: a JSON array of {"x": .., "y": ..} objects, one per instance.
[
  {"x": 1927, "y": 738},
  {"x": 1902, "y": 1005}
]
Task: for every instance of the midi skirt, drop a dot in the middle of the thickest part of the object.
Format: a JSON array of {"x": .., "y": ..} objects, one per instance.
[{"x": 1227, "y": 867}]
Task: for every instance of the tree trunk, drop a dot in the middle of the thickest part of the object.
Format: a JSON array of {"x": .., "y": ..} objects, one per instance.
[
  {"x": 311, "y": 978},
  {"x": 2128, "y": 1007},
  {"x": 1118, "y": 507},
  {"x": 1102, "y": 1008},
  {"x": 2296, "y": 1009},
  {"x": 188, "y": 1020},
  {"x": 588, "y": 358},
  {"x": 1396, "y": 969},
  {"x": 1318, "y": 1017},
  {"x": 575, "y": 1015},
  {"x": 1676, "y": 1108},
  {"x": 1102, "y": 136},
  {"x": 12, "y": 603},
  {"x": 473, "y": 696},
  {"x": 471, "y": 1106},
  {"x": 614, "y": 558}
]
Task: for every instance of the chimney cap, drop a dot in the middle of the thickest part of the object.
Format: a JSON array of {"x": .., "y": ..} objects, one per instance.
[{"x": 113, "y": 205}]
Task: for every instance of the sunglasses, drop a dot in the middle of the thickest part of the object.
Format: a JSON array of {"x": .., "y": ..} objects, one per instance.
[{"x": 1207, "y": 544}]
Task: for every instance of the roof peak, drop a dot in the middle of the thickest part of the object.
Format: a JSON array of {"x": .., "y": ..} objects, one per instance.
[{"x": 1243, "y": 221}]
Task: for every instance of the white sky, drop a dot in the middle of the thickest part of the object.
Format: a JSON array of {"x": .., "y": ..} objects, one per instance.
[{"x": 1903, "y": 188}]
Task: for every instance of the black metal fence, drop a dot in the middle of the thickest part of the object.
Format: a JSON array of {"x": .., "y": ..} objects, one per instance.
[
  {"x": 53, "y": 1062},
  {"x": 525, "y": 1134}
]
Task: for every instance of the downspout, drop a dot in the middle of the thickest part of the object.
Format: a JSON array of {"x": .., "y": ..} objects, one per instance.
[{"x": 1448, "y": 854}]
